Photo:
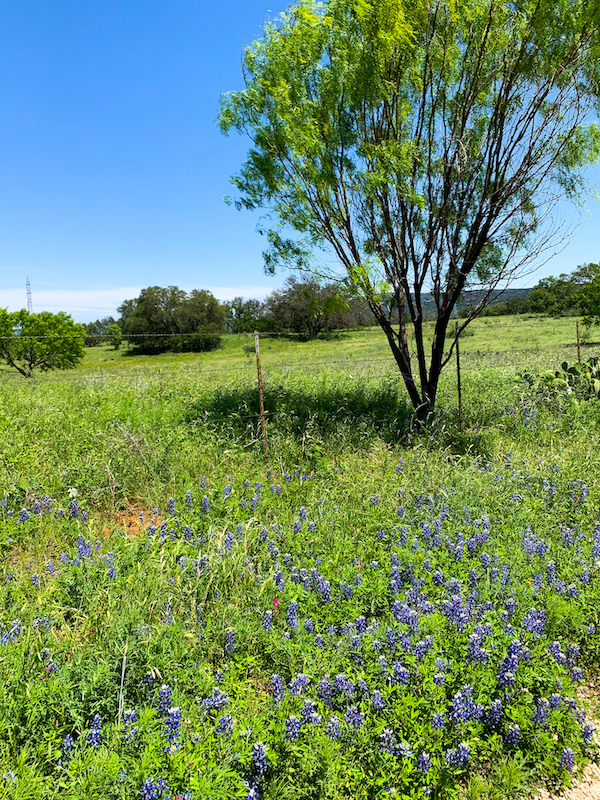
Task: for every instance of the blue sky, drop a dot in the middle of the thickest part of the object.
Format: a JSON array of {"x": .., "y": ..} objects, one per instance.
[{"x": 112, "y": 170}]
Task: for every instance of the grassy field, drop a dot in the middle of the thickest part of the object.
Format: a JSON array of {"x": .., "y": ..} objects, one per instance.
[{"x": 376, "y": 611}]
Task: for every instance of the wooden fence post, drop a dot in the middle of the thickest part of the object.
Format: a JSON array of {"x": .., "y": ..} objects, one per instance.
[
  {"x": 578, "y": 344},
  {"x": 263, "y": 422},
  {"x": 460, "y": 420}
]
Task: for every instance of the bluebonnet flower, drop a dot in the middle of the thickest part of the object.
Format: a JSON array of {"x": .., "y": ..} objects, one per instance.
[
  {"x": 164, "y": 698},
  {"x": 217, "y": 700},
  {"x": 361, "y": 624},
  {"x": 455, "y": 612},
  {"x": 225, "y": 725},
  {"x": 462, "y": 706},
  {"x": 555, "y": 700},
  {"x": 66, "y": 752},
  {"x": 171, "y": 505},
  {"x": 152, "y": 790},
  {"x": 377, "y": 700},
  {"x": 129, "y": 727},
  {"x": 459, "y": 757},
  {"x": 309, "y": 714},
  {"x": 292, "y": 728},
  {"x": 513, "y": 736},
  {"x": 309, "y": 625},
  {"x": 230, "y": 641},
  {"x": 424, "y": 763},
  {"x": 438, "y": 721},
  {"x": 588, "y": 733},
  {"x": 346, "y": 590},
  {"x": 94, "y": 737},
  {"x": 403, "y": 750},
  {"x": 260, "y": 763},
  {"x": 390, "y": 638},
  {"x": 172, "y": 730},
  {"x": 567, "y": 759},
  {"x": 387, "y": 741},
  {"x": 226, "y": 491},
  {"x": 205, "y": 505},
  {"x": 535, "y": 622},
  {"x": 46, "y": 502},
  {"x": 299, "y": 683},
  {"x": 267, "y": 620},
  {"x": 291, "y": 615},
  {"x": 332, "y": 729},
  {"x": 354, "y": 717},
  {"x": 325, "y": 690},
  {"x": 35, "y": 580},
  {"x": 422, "y": 647},
  {"x": 188, "y": 498},
  {"x": 400, "y": 675},
  {"x": 540, "y": 712},
  {"x": 84, "y": 549},
  {"x": 508, "y": 667}
]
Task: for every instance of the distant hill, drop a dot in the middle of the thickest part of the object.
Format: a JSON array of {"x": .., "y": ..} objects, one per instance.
[{"x": 473, "y": 296}]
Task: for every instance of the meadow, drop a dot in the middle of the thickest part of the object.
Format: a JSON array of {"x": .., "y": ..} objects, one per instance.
[{"x": 376, "y": 611}]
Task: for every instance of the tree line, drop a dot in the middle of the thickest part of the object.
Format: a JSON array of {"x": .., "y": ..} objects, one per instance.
[
  {"x": 162, "y": 319},
  {"x": 573, "y": 294}
]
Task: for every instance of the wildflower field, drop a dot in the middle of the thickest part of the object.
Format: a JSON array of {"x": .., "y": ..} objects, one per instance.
[{"x": 375, "y": 612}]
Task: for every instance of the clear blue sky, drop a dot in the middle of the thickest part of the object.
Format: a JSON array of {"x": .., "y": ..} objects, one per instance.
[{"x": 112, "y": 170}]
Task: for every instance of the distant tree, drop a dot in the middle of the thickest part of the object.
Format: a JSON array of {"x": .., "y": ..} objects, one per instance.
[
  {"x": 555, "y": 296},
  {"x": 590, "y": 302},
  {"x": 162, "y": 319},
  {"x": 96, "y": 331},
  {"x": 114, "y": 336},
  {"x": 307, "y": 307},
  {"x": 41, "y": 341},
  {"x": 245, "y": 316},
  {"x": 566, "y": 294}
]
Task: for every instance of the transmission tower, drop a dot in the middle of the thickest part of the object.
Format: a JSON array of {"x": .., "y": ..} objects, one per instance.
[{"x": 29, "y": 304}]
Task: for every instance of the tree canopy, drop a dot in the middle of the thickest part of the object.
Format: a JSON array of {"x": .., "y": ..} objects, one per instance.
[
  {"x": 41, "y": 341},
  {"x": 163, "y": 319},
  {"x": 422, "y": 145}
]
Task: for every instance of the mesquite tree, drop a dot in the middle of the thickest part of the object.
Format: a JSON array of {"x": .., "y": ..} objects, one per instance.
[{"x": 422, "y": 144}]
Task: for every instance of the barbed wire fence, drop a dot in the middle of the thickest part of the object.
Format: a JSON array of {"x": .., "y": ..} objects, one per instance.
[{"x": 273, "y": 369}]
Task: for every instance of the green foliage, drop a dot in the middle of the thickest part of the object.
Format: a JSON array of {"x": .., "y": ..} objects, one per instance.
[
  {"x": 308, "y": 307},
  {"x": 245, "y": 316},
  {"x": 96, "y": 331},
  {"x": 152, "y": 600},
  {"x": 169, "y": 319},
  {"x": 576, "y": 382},
  {"x": 114, "y": 336},
  {"x": 384, "y": 134},
  {"x": 41, "y": 341},
  {"x": 590, "y": 301}
]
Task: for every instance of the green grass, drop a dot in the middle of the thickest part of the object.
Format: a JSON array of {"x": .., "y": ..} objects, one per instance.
[{"x": 130, "y": 432}]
